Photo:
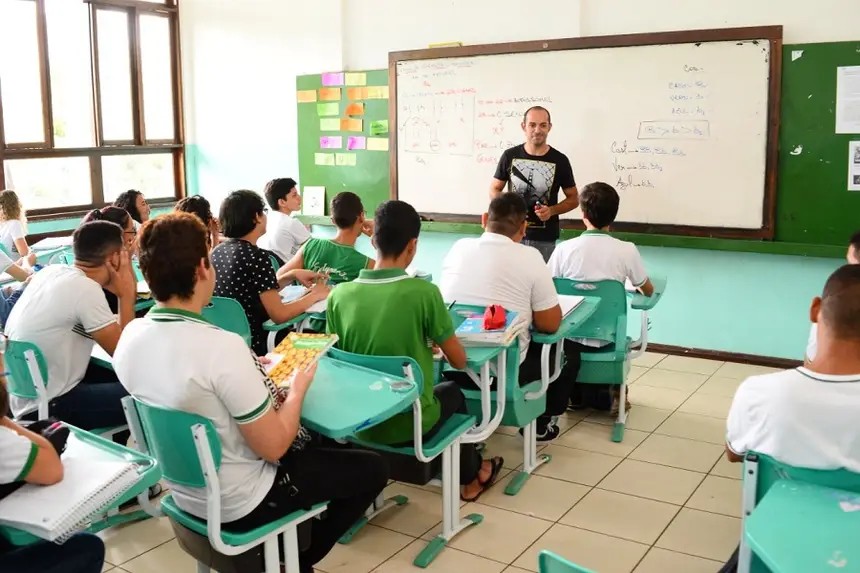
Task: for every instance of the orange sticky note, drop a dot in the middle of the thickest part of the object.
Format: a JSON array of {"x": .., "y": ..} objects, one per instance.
[
  {"x": 356, "y": 93},
  {"x": 351, "y": 125},
  {"x": 355, "y": 109},
  {"x": 305, "y": 96},
  {"x": 330, "y": 94}
]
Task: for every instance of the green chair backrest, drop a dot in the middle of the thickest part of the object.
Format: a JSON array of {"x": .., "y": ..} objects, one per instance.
[
  {"x": 169, "y": 440},
  {"x": 20, "y": 382},
  {"x": 549, "y": 562},
  {"x": 603, "y": 324},
  {"x": 391, "y": 365},
  {"x": 275, "y": 264},
  {"x": 770, "y": 471},
  {"x": 228, "y": 314}
]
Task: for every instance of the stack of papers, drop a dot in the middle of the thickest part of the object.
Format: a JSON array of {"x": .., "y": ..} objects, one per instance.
[
  {"x": 471, "y": 332},
  {"x": 569, "y": 303}
]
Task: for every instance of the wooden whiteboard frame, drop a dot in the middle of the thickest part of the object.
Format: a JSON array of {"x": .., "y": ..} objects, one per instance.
[{"x": 771, "y": 34}]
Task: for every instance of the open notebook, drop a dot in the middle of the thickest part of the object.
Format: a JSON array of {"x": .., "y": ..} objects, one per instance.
[{"x": 93, "y": 480}]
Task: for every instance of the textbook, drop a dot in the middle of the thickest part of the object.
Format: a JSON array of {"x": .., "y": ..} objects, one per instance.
[
  {"x": 471, "y": 331},
  {"x": 297, "y": 351}
]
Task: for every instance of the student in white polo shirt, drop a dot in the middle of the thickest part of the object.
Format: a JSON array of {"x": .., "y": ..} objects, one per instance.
[
  {"x": 9, "y": 295},
  {"x": 64, "y": 312},
  {"x": 497, "y": 269},
  {"x": 284, "y": 233},
  {"x": 175, "y": 359}
]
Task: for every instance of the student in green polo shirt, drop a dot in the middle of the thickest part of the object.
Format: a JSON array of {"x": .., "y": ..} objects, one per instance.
[{"x": 385, "y": 312}]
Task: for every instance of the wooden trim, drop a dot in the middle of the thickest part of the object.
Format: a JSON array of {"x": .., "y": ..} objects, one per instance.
[
  {"x": 97, "y": 179},
  {"x": 755, "y": 359},
  {"x": 136, "y": 79},
  {"x": 45, "y": 73},
  {"x": 96, "y": 74},
  {"x": 89, "y": 151},
  {"x": 137, "y": 4},
  {"x": 772, "y": 34},
  {"x": 72, "y": 211},
  {"x": 178, "y": 98}
]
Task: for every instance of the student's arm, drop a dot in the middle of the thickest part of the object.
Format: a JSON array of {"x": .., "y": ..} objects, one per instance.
[
  {"x": 95, "y": 314},
  {"x": 454, "y": 352},
  {"x": 288, "y": 269},
  {"x": 546, "y": 312},
  {"x": 42, "y": 464},
  {"x": 636, "y": 271},
  {"x": 18, "y": 273},
  {"x": 22, "y": 247},
  {"x": 281, "y": 312},
  {"x": 744, "y": 426},
  {"x": 547, "y": 321},
  {"x": 439, "y": 327}
]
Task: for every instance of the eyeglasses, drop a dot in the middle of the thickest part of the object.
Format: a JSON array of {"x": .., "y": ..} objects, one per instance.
[{"x": 265, "y": 210}]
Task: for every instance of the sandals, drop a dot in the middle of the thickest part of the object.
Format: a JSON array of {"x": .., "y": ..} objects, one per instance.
[{"x": 497, "y": 463}]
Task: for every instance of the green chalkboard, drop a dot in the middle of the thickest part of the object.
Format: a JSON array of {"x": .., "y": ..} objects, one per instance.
[{"x": 369, "y": 177}]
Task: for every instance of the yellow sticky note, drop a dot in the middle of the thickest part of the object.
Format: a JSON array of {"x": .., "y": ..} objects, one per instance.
[
  {"x": 305, "y": 96},
  {"x": 356, "y": 93},
  {"x": 351, "y": 125},
  {"x": 355, "y": 79},
  {"x": 377, "y": 92},
  {"x": 330, "y": 94},
  {"x": 324, "y": 158},
  {"x": 377, "y": 144},
  {"x": 345, "y": 159},
  {"x": 330, "y": 124}
]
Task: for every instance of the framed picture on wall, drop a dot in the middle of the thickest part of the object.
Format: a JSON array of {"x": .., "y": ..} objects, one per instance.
[{"x": 313, "y": 201}]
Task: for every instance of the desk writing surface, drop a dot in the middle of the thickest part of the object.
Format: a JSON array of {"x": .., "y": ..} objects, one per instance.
[
  {"x": 639, "y": 301},
  {"x": 569, "y": 324}
]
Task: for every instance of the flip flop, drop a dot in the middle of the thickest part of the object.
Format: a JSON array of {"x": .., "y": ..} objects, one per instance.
[{"x": 497, "y": 463}]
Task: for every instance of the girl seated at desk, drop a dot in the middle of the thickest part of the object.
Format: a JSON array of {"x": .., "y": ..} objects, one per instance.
[{"x": 13, "y": 228}]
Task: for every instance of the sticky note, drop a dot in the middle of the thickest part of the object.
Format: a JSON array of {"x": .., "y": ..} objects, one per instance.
[
  {"x": 305, "y": 96},
  {"x": 355, "y": 79},
  {"x": 351, "y": 125},
  {"x": 355, "y": 109},
  {"x": 332, "y": 108},
  {"x": 355, "y": 142},
  {"x": 379, "y": 127},
  {"x": 330, "y": 94},
  {"x": 345, "y": 159},
  {"x": 332, "y": 79},
  {"x": 329, "y": 124},
  {"x": 377, "y": 92},
  {"x": 377, "y": 144},
  {"x": 324, "y": 158},
  {"x": 356, "y": 93},
  {"x": 331, "y": 142}
]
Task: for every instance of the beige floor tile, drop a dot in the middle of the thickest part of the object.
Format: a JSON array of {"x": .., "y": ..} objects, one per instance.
[
  {"x": 683, "y": 381},
  {"x": 659, "y": 398},
  {"x": 515, "y": 570},
  {"x": 125, "y": 542},
  {"x": 707, "y": 405},
  {"x": 509, "y": 447},
  {"x": 585, "y": 548},
  {"x": 369, "y": 549},
  {"x": 541, "y": 497},
  {"x": 703, "y": 534},
  {"x": 678, "y": 452},
  {"x": 741, "y": 371},
  {"x": 423, "y": 511},
  {"x": 507, "y": 430},
  {"x": 635, "y": 373},
  {"x": 664, "y": 561},
  {"x": 502, "y": 534},
  {"x": 694, "y": 427},
  {"x": 107, "y": 567},
  {"x": 642, "y": 418},
  {"x": 690, "y": 364},
  {"x": 725, "y": 468},
  {"x": 620, "y": 515},
  {"x": 653, "y": 481},
  {"x": 448, "y": 560},
  {"x": 578, "y": 466},
  {"x": 166, "y": 557},
  {"x": 720, "y": 386},
  {"x": 649, "y": 359},
  {"x": 597, "y": 438},
  {"x": 718, "y": 495}
]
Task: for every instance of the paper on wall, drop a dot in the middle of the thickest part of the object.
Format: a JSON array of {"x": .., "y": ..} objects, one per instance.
[
  {"x": 848, "y": 99},
  {"x": 854, "y": 165},
  {"x": 313, "y": 200}
]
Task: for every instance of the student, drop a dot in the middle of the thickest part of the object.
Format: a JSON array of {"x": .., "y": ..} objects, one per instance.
[
  {"x": 244, "y": 271},
  {"x": 64, "y": 312},
  {"x": 13, "y": 228},
  {"x": 337, "y": 257},
  {"x": 384, "y": 312},
  {"x": 8, "y": 297},
  {"x": 272, "y": 467},
  {"x": 284, "y": 233},
  {"x": 129, "y": 235},
  {"x": 497, "y": 268},
  {"x": 136, "y": 205},
  {"x": 853, "y": 258},
  {"x": 199, "y": 205}
]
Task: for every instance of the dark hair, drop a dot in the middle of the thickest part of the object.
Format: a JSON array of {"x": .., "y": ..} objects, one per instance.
[
  {"x": 506, "y": 214},
  {"x": 278, "y": 189},
  {"x": 840, "y": 302},
  {"x": 92, "y": 242},
  {"x": 170, "y": 249},
  {"x": 537, "y": 108},
  {"x": 239, "y": 212},
  {"x": 128, "y": 200},
  {"x": 109, "y": 213},
  {"x": 196, "y": 205},
  {"x": 855, "y": 241},
  {"x": 396, "y": 223},
  {"x": 346, "y": 208},
  {"x": 599, "y": 203}
]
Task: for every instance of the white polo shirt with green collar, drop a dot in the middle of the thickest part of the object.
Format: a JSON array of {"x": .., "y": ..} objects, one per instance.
[{"x": 176, "y": 359}]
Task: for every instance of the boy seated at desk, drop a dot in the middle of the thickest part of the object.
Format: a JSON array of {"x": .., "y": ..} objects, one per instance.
[
  {"x": 385, "y": 312},
  {"x": 284, "y": 233},
  {"x": 598, "y": 256},
  {"x": 338, "y": 257},
  {"x": 496, "y": 268},
  {"x": 271, "y": 466}
]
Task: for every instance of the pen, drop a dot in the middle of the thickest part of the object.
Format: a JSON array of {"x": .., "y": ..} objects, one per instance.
[{"x": 450, "y": 306}]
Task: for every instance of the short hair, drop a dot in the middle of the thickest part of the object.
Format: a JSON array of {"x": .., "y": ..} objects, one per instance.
[
  {"x": 170, "y": 249},
  {"x": 239, "y": 213},
  {"x": 395, "y": 224},
  {"x": 599, "y": 202},
  {"x": 855, "y": 241},
  {"x": 196, "y": 205},
  {"x": 278, "y": 189},
  {"x": 538, "y": 108},
  {"x": 109, "y": 213},
  {"x": 506, "y": 214},
  {"x": 840, "y": 302},
  {"x": 128, "y": 200},
  {"x": 346, "y": 208},
  {"x": 93, "y": 242}
]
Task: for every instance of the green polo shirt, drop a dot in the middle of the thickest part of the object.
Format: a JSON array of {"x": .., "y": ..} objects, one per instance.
[
  {"x": 341, "y": 261},
  {"x": 388, "y": 313}
]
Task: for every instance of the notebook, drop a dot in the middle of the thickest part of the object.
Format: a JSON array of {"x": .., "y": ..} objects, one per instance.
[
  {"x": 295, "y": 292},
  {"x": 92, "y": 481},
  {"x": 568, "y": 303},
  {"x": 471, "y": 331}
]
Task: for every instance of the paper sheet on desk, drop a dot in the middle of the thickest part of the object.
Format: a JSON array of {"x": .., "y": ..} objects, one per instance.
[
  {"x": 568, "y": 302},
  {"x": 295, "y": 292}
]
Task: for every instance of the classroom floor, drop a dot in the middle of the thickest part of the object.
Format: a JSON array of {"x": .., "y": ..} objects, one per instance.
[{"x": 665, "y": 500}]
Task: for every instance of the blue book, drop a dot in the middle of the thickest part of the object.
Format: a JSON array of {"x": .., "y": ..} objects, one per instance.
[{"x": 473, "y": 327}]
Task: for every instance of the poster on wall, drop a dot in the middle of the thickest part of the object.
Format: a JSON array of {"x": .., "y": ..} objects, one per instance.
[
  {"x": 854, "y": 165},
  {"x": 313, "y": 201},
  {"x": 848, "y": 99}
]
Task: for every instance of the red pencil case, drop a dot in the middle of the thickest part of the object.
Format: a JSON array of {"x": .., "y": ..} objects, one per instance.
[{"x": 494, "y": 317}]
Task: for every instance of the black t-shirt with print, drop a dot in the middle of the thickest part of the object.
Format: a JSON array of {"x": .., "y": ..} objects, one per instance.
[
  {"x": 243, "y": 271},
  {"x": 537, "y": 179}
]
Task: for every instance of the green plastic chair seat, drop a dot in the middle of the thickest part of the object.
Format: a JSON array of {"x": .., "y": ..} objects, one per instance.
[{"x": 453, "y": 428}]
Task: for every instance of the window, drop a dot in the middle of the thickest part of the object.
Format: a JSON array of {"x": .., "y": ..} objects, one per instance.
[{"x": 89, "y": 102}]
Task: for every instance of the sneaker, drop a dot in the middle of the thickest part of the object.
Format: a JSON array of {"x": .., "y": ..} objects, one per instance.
[{"x": 551, "y": 432}]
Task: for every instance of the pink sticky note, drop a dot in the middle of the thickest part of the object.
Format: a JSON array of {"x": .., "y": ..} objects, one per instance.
[
  {"x": 331, "y": 142},
  {"x": 332, "y": 79},
  {"x": 356, "y": 142}
]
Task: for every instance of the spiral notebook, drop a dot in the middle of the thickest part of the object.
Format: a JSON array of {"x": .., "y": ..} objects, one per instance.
[{"x": 92, "y": 481}]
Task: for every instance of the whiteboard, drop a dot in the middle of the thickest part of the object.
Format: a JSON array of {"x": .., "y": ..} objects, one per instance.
[{"x": 679, "y": 130}]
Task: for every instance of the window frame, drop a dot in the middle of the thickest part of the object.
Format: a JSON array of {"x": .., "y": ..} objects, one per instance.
[{"x": 139, "y": 145}]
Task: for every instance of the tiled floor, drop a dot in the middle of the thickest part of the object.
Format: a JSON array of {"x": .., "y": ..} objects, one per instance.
[{"x": 665, "y": 500}]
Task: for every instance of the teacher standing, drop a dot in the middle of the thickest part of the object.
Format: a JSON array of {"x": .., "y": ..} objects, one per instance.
[{"x": 535, "y": 171}]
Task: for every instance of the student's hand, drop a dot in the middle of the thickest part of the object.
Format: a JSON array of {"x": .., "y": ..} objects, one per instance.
[
  {"x": 301, "y": 379},
  {"x": 122, "y": 280},
  {"x": 308, "y": 278},
  {"x": 543, "y": 212},
  {"x": 319, "y": 291},
  {"x": 31, "y": 258},
  {"x": 367, "y": 228}
]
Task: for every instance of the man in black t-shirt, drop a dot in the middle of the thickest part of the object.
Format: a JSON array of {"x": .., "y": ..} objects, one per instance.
[{"x": 536, "y": 171}]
